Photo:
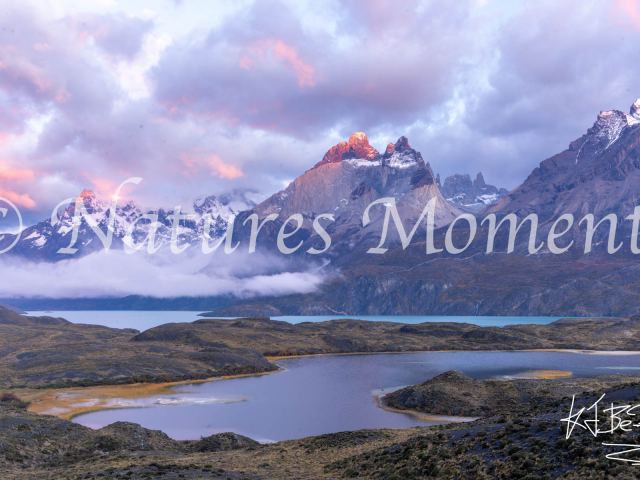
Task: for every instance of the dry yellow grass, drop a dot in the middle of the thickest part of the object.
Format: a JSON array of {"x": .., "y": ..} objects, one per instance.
[{"x": 67, "y": 403}]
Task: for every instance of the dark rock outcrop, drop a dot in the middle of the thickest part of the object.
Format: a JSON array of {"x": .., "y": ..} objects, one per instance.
[
  {"x": 454, "y": 393},
  {"x": 222, "y": 442}
]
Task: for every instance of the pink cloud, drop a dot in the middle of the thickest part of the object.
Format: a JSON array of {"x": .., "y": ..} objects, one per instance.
[
  {"x": 304, "y": 72},
  {"x": 19, "y": 67},
  {"x": 216, "y": 166},
  {"x": 21, "y": 200},
  {"x": 629, "y": 11},
  {"x": 223, "y": 170},
  {"x": 62, "y": 95},
  {"x": 10, "y": 173},
  {"x": 102, "y": 186}
]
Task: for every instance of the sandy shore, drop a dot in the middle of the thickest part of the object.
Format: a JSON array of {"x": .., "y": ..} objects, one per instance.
[{"x": 67, "y": 403}]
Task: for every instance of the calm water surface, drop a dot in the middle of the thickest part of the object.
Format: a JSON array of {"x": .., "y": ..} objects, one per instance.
[
  {"x": 143, "y": 320},
  {"x": 326, "y": 394}
]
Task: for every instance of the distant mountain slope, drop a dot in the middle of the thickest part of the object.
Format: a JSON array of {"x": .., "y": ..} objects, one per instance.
[
  {"x": 12, "y": 308},
  {"x": 599, "y": 173},
  {"x": 474, "y": 195},
  {"x": 9, "y": 317}
]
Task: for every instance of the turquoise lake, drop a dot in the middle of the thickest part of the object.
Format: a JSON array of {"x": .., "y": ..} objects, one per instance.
[{"x": 143, "y": 320}]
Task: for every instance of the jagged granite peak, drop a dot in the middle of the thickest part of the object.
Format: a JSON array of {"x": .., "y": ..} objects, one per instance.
[
  {"x": 88, "y": 193},
  {"x": 608, "y": 128},
  {"x": 438, "y": 180},
  {"x": 402, "y": 144},
  {"x": 356, "y": 147},
  {"x": 423, "y": 176},
  {"x": 347, "y": 187},
  {"x": 599, "y": 173},
  {"x": 390, "y": 149},
  {"x": 463, "y": 179},
  {"x": 459, "y": 190},
  {"x": 402, "y": 155}
]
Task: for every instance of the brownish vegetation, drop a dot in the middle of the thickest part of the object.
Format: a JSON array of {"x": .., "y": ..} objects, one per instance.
[
  {"x": 529, "y": 443},
  {"x": 277, "y": 338},
  {"x": 46, "y": 352},
  {"x": 454, "y": 393}
]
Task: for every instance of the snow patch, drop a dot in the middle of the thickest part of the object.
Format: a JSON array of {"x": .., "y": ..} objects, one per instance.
[
  {"x": 401, "y": 160},
  {"x": 358, "y": 162}
]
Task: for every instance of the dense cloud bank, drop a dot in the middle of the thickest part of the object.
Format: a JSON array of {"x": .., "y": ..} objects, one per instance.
[{"x": 117, "y": 274}]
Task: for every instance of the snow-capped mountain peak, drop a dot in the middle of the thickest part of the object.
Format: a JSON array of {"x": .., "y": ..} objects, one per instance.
[
  {"x": 609, "y": 127},
  {"x": 356, "y": 147},
  {"x": 635, "y": 109},
  {"x": 42, "y": 241}
]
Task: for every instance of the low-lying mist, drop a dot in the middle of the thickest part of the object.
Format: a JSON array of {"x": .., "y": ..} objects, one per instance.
[{"x": 117, "y": 274}]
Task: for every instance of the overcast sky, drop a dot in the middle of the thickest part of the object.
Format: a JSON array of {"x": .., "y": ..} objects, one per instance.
[{"x": 200, "y": 97}]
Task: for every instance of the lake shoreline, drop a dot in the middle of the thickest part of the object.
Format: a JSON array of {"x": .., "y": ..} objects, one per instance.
[
  {"x": 112, "y": 451},
  {"x": 555, "y": 350},
  {"x": 441, "y": 419},
  {"x": 45, "y": 402}
]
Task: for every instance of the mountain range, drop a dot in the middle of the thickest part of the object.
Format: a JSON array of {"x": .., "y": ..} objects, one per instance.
[
  {"x": 598, "y": 173},
  {"x": 42, "y": 241},
  {"x": 350, "y": 176}
]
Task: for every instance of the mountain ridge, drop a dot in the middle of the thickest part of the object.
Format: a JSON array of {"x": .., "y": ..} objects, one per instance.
[
  {"x": 42, "y": 241},
  {"x": 598, "y": 173}
]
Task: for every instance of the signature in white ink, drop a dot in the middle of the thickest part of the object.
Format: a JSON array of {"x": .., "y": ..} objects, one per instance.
[{"x": 614, "y": 418}]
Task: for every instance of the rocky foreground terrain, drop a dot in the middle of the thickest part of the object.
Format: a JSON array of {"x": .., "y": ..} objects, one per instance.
[
  {"x": 51, "y": 352},
  {"x": 519, "y": 433},
  {"x": 454, "y": 393},
  {"x": 526, "y": 442},
  {"x": 525, "y": 439}
]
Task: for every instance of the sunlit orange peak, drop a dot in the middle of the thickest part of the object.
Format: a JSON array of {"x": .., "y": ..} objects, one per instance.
[{"x": 87, "y": 193}]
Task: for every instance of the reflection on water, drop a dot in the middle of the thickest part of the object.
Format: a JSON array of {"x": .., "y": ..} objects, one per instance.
[{"x": 325, "y": 394}]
